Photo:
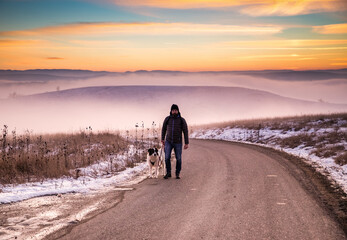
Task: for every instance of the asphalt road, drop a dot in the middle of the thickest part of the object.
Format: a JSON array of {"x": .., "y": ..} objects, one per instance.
[{"x": 227, "y": 191}]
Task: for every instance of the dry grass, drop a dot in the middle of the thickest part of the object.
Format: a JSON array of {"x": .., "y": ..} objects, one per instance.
[
  {"x": 284, "y": 123},
  {"x": 328, "y": 151},
  {"x": 325, "y": 144},
  {"x": 295, "y": 141},
  {"x": 333, "y": 137},
  {"x": 342, "y": 159},
  {"x": 30, "y": 157}
]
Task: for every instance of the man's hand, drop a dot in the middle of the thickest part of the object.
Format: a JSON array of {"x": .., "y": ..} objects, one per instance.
[
  {"x": 163, "y": 142},
  {"x": 185, "y": 146}
]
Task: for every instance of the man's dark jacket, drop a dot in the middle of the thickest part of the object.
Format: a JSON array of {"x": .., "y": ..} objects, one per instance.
[{"x": 173, "y": 127}]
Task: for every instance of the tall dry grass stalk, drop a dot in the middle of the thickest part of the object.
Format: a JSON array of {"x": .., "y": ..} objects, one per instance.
[{"x": 30, "y": 157}]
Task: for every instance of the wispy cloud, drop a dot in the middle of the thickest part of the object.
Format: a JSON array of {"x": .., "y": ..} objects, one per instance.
[
  {"x": 331, "y": 29},
  {"x": 54, "y": 58},
  {"x": 287, "y": 44},
  {"x": 18, "y": 43},
  {"x": 149, "y": 28},
  {"x": 249, "y": 7},
  {"x": 339, "y": 64},
  {"x": 185, "y": 4},
  {"x": 278, "y": 57},
  {"x": 293, "y": 7},
  {"x": 99, "y": 43}
]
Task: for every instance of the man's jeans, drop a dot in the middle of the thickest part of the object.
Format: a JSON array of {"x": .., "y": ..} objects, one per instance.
[{"x": 178, "y": 153}]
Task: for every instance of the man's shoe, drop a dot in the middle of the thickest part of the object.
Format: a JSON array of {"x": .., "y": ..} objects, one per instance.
[
  {"x": 177, "y": 175},
  {"x": 167, "y": 175}
]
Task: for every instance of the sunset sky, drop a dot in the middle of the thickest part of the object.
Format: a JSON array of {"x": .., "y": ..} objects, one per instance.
[{"x": 193, "y": 35}]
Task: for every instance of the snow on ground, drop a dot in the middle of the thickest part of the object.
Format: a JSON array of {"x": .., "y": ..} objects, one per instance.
[
  {"x": 94, "y": 177},
  {"x": 37, "y": 209},
  {"x": 269, "y": 137},
  {"x": 67, "y": 185}
]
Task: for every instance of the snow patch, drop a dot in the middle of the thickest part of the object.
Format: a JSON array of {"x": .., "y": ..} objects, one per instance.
[{"x": 268, "y": 137}]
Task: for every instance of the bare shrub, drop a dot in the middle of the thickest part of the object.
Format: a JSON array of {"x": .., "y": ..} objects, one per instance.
[
  {"x": 328, "y": 151},
  {"x": 295, "y": 141},
  {"x": 138, "y": 158},
  {"x": 342, "y": 159}
]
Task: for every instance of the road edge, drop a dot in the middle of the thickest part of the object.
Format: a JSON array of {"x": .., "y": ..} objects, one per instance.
[{"x": 328, "y": 194}]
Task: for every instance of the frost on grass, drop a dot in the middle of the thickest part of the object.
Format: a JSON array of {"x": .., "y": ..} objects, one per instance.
[
  {"x": 320, "y": 139},
  {"x": 102, "y": 174},
  {"x": 95, "y": 189},
  {"x": 30, "y": 158}
]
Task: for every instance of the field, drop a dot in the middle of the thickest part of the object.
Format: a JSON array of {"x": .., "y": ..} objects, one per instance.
[
  {"x": 326, "y": 134},
  {"x": 30, "y": 157}
]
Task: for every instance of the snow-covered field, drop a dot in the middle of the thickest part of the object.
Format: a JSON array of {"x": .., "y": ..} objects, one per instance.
[
  {"x": 92, "y": 178},
  {"x": 24, "y": 216},
  {"x": 278, "y": 137},
  {"x": 63, "y": 185}
]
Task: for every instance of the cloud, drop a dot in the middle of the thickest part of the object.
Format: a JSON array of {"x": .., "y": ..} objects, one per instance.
[
  {"x": 147, "y": 28},
  {"x": 184, "y": 4},
  {"x": 331, "y": 29},
  {"x": 249, "y": 7},
  {"x": 317, "y": 44},
  {"x": 277, "y": 56},
  {"x": 19, "y": 43},
  {"x": 54, "y": 58},
  {"x": 293, "y": 7},
  {"x": 99, "y": 43}
]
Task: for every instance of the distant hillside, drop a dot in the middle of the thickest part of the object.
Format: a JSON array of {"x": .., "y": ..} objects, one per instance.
[
  {"x": 54, "y": 74},
  {"x": 219, "y": 98},
  {"x": 48, "y": 74},
  {"x": 290, "y": 75},
  {"x": 123, "y": 106}
]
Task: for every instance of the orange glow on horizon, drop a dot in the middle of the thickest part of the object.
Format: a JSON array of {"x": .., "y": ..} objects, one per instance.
[{"x": 168, "y": 46}]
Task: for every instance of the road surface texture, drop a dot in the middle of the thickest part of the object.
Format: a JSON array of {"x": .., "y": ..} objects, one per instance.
[{"x": 227, "y": 191}]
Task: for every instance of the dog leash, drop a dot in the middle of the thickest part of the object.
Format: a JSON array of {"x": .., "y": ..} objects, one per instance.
[{"x": 161, "y": 153}]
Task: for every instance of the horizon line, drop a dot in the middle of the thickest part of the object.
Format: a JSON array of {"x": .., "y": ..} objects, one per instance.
[{"x": 163, "y": 70}]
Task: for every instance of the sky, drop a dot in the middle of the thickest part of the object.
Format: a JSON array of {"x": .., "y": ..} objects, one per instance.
[{"x": 199, "y": 35}]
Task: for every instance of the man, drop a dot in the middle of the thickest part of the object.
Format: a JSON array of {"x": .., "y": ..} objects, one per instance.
[{"x": 173, "y": 127}]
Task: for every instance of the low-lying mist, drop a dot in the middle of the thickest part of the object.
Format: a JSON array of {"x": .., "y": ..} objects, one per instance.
[
  {"x": 327, "y": 86},
  {"x": 120, "y": 108}
]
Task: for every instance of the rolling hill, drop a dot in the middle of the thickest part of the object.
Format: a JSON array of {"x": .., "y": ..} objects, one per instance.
[{"x": 123, "y": 106}]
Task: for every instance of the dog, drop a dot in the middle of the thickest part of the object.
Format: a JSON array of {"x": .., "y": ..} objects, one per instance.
[{"x": 153, "y": 161}]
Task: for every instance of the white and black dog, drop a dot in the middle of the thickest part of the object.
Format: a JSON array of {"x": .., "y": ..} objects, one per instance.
[{"x": 154, "y": 161}]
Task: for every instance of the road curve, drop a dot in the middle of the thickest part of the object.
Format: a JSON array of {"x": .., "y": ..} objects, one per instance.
[{"x": 227, "y": 191}]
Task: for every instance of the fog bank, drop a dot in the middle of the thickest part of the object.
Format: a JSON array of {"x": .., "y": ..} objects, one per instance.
[
  {"x": 120, "y": 108},
  {"x": 328, "y": 86}
]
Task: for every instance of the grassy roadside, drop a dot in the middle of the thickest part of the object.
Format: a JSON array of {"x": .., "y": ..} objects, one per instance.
[
  {"x": 324, "y": 134},
  {"x": 29, "y": 157},
  {"x": 283, "y": 123}
]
